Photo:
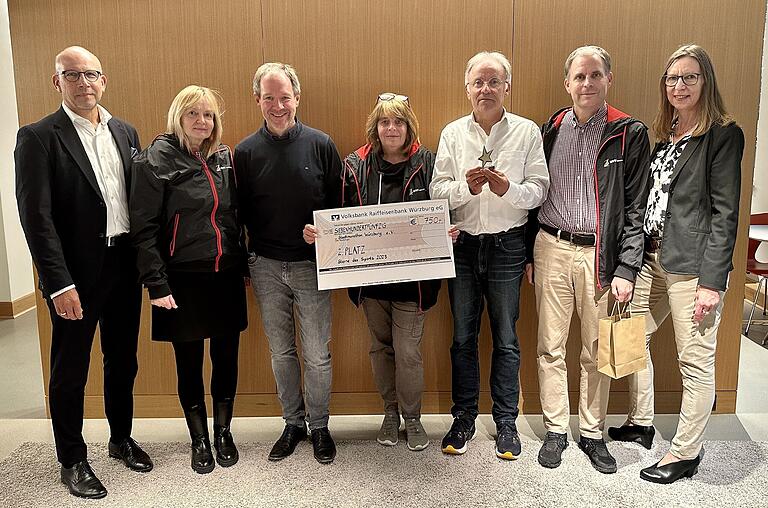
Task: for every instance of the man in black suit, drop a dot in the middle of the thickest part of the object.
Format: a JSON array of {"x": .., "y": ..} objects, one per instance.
[{"x": 72, "y": 176}]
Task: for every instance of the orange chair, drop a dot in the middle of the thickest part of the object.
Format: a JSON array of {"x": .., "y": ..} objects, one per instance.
[{"x": 758, "y": 267}]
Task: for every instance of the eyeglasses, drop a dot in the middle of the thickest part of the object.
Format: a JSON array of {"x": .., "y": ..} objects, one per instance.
[
  {"x": 493, "y": 84},
  {"x": 74, "y": 76},
  {"x": 689, "y": 79},
  {"x": 389, "y": 96}
]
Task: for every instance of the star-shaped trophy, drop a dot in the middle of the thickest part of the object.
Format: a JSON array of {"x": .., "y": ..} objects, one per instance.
[{"x": 485, "y": 158}]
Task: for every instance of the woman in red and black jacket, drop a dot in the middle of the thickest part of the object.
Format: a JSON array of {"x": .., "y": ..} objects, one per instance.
[
  {"x": 191, "y": 259},
  {"x": 392, "y": 168}
]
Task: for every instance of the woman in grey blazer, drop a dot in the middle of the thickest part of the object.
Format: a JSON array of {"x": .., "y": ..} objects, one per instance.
[{"x": 690, "y": 230}]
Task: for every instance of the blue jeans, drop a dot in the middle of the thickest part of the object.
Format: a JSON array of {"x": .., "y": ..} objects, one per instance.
[
  {"x": 489, "y": 267},
  {"x": 281, "y": 286}
]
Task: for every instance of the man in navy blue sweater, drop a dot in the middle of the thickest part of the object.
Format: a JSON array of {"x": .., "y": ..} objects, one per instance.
[{"x": 285, "y": 171}]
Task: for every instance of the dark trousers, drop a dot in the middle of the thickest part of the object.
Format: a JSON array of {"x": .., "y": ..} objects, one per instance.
[
  {"x": 114, "y": 303},
  {"x": 489, "y": 268},
  {"x": 189, "y": 369}
]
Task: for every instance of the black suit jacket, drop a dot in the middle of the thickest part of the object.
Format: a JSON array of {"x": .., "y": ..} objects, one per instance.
[
  {"x": 61, "y": 207},
  {"x": 703, "y": 207}
]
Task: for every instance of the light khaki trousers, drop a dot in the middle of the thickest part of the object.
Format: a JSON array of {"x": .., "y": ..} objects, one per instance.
[
  {"x": 658, "y": 294},
  {"x": 564, "y": 276}
]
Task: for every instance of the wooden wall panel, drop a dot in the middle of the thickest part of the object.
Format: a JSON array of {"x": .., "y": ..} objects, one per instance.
[{"x": 346, "y": 52}]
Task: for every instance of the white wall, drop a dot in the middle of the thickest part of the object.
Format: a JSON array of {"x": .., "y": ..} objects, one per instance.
[
  {"x": 16, "y": 279},
  {"x": 760, "y": 180}
]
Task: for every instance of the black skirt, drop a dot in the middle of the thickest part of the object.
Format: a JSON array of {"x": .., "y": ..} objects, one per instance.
[{"x": 210, "y": 304}]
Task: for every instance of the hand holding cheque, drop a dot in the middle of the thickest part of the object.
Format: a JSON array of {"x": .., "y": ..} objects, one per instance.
[{"x": 380, "y": 244}]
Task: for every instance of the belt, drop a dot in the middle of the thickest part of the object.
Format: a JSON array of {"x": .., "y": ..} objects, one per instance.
[
  {"x": 652, "y": 243},
  {"x": 111, "y": 241},
  {"x": 575, "y": 238}
]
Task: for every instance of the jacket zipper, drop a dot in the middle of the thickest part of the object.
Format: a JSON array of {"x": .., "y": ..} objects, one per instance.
[
  {"x": 213, "y": 213},
  {"x": 175, "y": 230},
  {"x": 597, "y": 206}
]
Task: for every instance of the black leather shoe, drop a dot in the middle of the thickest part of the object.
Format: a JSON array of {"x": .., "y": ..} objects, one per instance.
[
  {"x": 634, "y": 434},
  {"x": 671, "y": 472},
  {"x": 82, "y": 482},
  {"x": 201, "y": 455},
  {"x": 131, "y": 454},
  {"x": 323, "y": 445},
  {"x": 598, "y": 454},
  {"x": 292, "y": 435},
  {"x": 226, "y": 451}
]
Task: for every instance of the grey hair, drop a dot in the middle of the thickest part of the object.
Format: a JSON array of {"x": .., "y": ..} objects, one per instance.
[
  {"x": 489, "y": 55},
  {"x": 276, "y": 68},
  {"x": 588, "y": 50}
]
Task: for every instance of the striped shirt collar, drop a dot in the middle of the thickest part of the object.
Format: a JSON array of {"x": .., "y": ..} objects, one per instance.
[{"x": 599, "y": 116}]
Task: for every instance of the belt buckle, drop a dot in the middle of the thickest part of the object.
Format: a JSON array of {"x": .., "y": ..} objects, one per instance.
[{"x": 558, "y": 234}]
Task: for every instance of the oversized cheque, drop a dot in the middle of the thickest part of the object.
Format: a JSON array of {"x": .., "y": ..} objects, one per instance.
[{"x": 379, "y": 244}]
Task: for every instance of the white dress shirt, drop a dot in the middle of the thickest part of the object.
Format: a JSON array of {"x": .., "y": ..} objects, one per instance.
[
  {"x": 516, "y": 150},
  {"x": 104, "y": 156}
]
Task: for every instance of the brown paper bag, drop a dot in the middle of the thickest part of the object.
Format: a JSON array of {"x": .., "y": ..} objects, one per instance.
[{"x": 621, "y": 343}]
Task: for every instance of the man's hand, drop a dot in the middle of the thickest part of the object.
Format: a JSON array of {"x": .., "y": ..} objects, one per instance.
[
  {"x": 476, "y": 179},
  {"x": 166, "y": 302},
  {"x": 622, "y": 289},
  {"x": 529, "y": 273},
  {"x": 310, "y": 233},
  {"x": 67, "y": 305},
  {"x": 497, "y": 181},
  {"x": 706, "y": 301},
  {"x": 453, "y": 232}
]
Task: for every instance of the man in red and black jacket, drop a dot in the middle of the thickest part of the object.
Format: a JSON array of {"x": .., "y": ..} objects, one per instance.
[{"x": 586, "y": 238}]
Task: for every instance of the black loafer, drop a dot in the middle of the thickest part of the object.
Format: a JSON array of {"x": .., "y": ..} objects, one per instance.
[
  {"x": 323, "y": 445},
  {"x": 641, "y": 434},
  {"x": 82, "y": 482},
  {"x": 671, "y": 472},
  {"x": 292, "y": 435},
  {"x": 131, "y": 454}
]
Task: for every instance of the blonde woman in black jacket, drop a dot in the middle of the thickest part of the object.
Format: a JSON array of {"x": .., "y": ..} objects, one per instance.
[
  {"x": 690, "y": 227},
  {"x": 190, "y": 258}
]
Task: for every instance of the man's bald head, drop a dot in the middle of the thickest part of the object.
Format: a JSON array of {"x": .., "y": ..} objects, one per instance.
[{"x": 76, "y": 54}]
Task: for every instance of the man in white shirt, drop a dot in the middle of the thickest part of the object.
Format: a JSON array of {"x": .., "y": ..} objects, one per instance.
[
  {"x": 490, "y": 166},
  {"x": 72, "y": 180}
]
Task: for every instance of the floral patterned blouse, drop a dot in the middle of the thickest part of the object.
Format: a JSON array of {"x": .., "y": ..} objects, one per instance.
[{"x": 662, "y": 168}]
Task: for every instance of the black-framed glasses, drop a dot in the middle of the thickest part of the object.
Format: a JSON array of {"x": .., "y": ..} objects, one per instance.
[
  {"x": 689, "y": 79},
  {"x": 74, "y": 76},
  {"x": 389, "y": 96}
]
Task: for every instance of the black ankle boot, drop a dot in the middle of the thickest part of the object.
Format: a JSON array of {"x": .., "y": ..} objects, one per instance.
[
  {"x": 226, "y": 451},
  {"x": 197, "y": 422}
]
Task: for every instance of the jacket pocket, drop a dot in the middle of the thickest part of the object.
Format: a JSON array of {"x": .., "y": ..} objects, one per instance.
[{"x": 175, "y": 231}]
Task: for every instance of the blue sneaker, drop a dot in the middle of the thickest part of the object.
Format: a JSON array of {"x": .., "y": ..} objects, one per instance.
[
  {"x": 455, "y": 441},
  {"x": 507, "y": 442}
]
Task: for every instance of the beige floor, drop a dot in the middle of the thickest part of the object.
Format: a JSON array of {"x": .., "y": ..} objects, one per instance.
[{"x": 22, "y": 414}]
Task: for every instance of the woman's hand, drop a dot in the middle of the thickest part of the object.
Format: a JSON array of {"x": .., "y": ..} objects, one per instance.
[
  {"x": 706, "y": 301},
  {"x": 310, "y": 233},
  {"x": 453, "y": 232},
  {"x": 166, "y": 302}
]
